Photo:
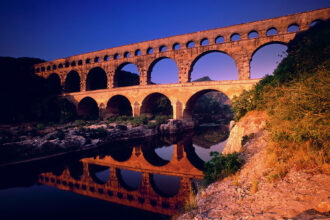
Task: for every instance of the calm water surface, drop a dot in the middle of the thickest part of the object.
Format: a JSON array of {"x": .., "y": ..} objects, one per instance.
[{"x": 147, "y": 179}]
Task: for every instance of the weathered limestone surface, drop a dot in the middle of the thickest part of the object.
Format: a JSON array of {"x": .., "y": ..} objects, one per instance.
[
  {"x": 113, "y": 59},
  {"x": 251, "y": 124}
]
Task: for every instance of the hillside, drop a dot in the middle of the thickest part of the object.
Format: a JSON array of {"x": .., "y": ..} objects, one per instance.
[{"x": 282, "y": 136}]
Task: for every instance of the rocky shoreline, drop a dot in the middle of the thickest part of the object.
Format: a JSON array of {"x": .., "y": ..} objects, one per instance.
[
  {"x": 249, "y": 194},
  {"x": 21, "y": 143}
]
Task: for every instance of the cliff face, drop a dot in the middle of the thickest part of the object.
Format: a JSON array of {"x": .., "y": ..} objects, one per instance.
[
  {"x": 251, "y": 125},
  {"x": 250, "y": 194}
]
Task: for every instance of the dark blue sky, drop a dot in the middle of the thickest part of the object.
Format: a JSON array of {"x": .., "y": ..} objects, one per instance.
[{"x": 56, "y": 29}]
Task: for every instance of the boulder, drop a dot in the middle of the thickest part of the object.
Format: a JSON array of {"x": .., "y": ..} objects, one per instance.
[{"x": 250, "y": 125}]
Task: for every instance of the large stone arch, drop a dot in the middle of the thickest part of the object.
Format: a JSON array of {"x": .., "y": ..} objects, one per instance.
[
  {"x": 96, "y": 79},
  {"x": 190, "y": 103},
  {"x": 94, "y": 169},
  {"x": 72, "y": 82},
  {"x": 127, "y": 183},
  {"x": 118, "y": 105},
  {"x": 148, "y": 107},
  {"x": 161, "y": 189},
  {"x": 121, "y": 154},
  {"x": 258, "y": 47},
  {"x": 118, "y": 80},
  {"x": 154, "y": 62},
  {"x": 54, "y": 83},
  {"x": 88, "y": 108},
  {"x": 200, "y": 55}
]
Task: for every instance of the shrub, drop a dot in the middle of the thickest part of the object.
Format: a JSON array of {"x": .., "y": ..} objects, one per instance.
[
  {"x": 40, "y": 126},
  {"x": 152, "y": 125},
  {"x": 97, "y": 133},
  {"x": 221, "y": 166},
  {"x": 161, "y": 119},
  {"x": 297, "y": 100},
  {"x": 121, "y": 127},
  {"x": 247, "y": 138}
]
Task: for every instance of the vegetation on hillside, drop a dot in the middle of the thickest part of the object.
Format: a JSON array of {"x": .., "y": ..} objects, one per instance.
[{"x": 297, "y": 100}]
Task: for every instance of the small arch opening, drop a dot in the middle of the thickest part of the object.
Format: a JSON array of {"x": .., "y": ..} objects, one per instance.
[
  {"x": 204, "y": 42},
  {"x": 67, "y": 64},
  {"x": 235, "y": 37},
  {"x": 176, "y": 46},
  {"x": 162, "y": 48},
  {"x": 73, "y": 63},
  {"x": 116, "y": 56},
  {"x": 126, "y": 54},
  {"x": 293, "y": 28},
  {"x": 80, "y": 62},
  {"x": 96, "y": 59},
  {"x": 54, "y": 67},
  {"x": 253, "y": 34},
  {"x": 315, "y": 22},
  {"x": 150, "y": 50},
  {"x": 138, "y": 52},
  {"x": 271, "y": 32},
  {"x": 219, "y": 40},
  {"x": 60, "y": 66},
  {"x": 48, "y": 68},
  {"x": 106, "y": 58},
  {"x": 190, "y": 44},
  {"x": 88, "y": 61}
]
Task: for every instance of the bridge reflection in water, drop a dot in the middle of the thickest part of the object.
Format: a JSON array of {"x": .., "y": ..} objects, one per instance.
[{"x": 133, "y": 176}]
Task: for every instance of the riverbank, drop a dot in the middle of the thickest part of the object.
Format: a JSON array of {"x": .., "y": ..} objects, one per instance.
[
  {"x": 26, "y": 142},
  {"x": 252, "y": 194}
]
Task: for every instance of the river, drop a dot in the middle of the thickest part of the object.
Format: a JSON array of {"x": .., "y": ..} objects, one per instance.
[{"x": 146, "y": 179}]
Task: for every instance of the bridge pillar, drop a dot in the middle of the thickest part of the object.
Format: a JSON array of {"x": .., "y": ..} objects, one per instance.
[
  {"x": 177, "y": 110},
  {"x": 243, "y": 66},
  {"x": 83, "y": 78},
  {"x": 110, "y": 76},
  {"x": 144, "y": 78},
  {"x": 145, "y": 184},
  {"x": 179, "y": 152},
  {"x": 136, "y": 109},
  {"x": 113, "y": 178},
  {"x": 185, "y": 188},
  {"x": 102, "y": 111},
  {"x": 184, "y": 75}
]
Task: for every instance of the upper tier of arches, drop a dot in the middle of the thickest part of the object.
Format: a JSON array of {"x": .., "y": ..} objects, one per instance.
[
  {"x": 282, "y": 25},
  {"x": 239, "y": 41}
]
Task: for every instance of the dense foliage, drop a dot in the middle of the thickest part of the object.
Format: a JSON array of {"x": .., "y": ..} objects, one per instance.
[
  {"x": 297, "y": 100},
  {"x": 221, "y": 166}
]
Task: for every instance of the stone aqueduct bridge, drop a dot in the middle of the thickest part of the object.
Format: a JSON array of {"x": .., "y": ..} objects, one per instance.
[
  {"x": 185, "y": 50},
  {"x": 147, "y": 196}
]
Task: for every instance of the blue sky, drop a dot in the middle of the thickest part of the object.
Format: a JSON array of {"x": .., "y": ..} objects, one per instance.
[{"x": 56, "y": 29}]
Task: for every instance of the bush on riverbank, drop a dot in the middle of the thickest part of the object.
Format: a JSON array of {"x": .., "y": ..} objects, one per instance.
[
  {"x": 221, "y": 166},
  {"x": 297, "y": 100}
]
